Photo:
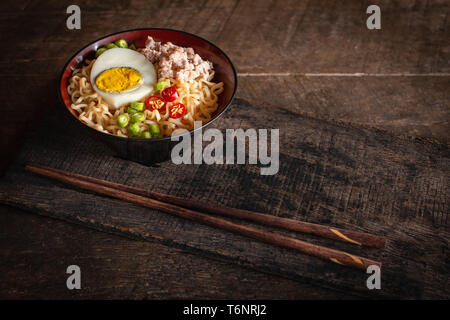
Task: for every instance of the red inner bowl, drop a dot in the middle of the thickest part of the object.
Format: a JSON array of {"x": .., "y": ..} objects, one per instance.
[{"x": 224, "y": 69}]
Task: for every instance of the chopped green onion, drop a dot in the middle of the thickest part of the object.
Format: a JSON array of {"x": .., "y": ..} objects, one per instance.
[
  {"x": 139, "y": 106},
  {"x": 138, "y": 117},
  {"x": 131, "y": 110},
  {"x": 111, "y": 45},
  {"x": 154, "y": 130},
  {"x": 134, "y": 129},
  {"x": 121, "y": 43},
  {"x": 123, "y": 120},
  {"x": 146, "y": 135},
  {"x": 99, "y": 51},
  {"x": 161, "y": 85}
]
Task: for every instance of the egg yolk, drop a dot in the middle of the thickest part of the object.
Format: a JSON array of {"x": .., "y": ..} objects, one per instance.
[{"x": 121, "y": 79}]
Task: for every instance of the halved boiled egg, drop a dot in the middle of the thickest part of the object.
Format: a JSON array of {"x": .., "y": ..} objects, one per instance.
[{"x": 121, "y": 76}]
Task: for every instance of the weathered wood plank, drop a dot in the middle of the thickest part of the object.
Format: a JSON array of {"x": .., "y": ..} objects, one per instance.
[
  {"x": 39, "y": 250},
  {"x": 412, "y": 106},
  {"x": 323, "y": 36},
  {"x": 315, "y": 36},
  {"x": 260, "y": 36},
  {"x": 330, "y": 36},
  {"x": 345, "y": 176}
]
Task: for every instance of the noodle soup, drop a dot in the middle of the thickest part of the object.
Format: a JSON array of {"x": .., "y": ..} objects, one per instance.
[{"x": 146, "y": 92}]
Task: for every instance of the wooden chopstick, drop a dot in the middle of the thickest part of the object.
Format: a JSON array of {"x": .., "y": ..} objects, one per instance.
[
  {"x": 349, "y": 236},
  {"x": 336, "y": 256}
]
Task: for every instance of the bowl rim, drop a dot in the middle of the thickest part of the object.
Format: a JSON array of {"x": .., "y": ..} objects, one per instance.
[{"x": 152, "y": 139}]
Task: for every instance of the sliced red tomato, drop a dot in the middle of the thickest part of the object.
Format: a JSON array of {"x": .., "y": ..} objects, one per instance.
[
  {"x": 170, "y": 94},
  {"x": 154, "y": 103},
  {"x": 177, "y": 110}
]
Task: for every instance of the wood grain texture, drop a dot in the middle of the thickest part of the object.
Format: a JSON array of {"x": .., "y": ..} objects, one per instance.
[
  {"x": 412, "y": 106},
  {"x": 345, "y": 176},
  {"x": 204, "y": 207},
  {"x": 293, "y": 38},
  {"x": 40, "y": 249},
  {"x": 261, "y": 37}
]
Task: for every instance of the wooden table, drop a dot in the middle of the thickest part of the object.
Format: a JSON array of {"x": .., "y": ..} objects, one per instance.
[{"x": 314, "y": 57}]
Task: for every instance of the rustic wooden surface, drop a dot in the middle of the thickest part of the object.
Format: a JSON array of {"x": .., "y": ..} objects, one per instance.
[
  {"x": 315, "y": 57},
  {"x": 342, "y": 175}
]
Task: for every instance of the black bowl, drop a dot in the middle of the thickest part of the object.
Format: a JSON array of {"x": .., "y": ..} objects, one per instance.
[{"x": 150, "y": 151}]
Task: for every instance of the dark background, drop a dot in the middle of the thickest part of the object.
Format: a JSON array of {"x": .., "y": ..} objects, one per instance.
[{"x": 316, "y": 57}]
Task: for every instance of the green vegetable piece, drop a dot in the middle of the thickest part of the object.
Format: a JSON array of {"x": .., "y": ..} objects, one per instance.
[
  {"x": 131, "y": 110},
  {"x": 111, "y": 45},
  {"x": 132, "y": 47},
  {"x": 99, "y": 51},
  {"x": 161, "y": 85},
  {"x": 134, "y": 129},
  {"x": 138, "y": 117},
  {"x": 146, "y": 135},
  {"x": 138, "y": 106},
  {"x": 121, "y": 43},
  {"x": 154, "y": 130},
  {"x": 123, "y": 120}
]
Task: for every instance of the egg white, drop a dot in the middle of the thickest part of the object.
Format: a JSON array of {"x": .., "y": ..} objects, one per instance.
[{"x": 121, "y": 57}]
